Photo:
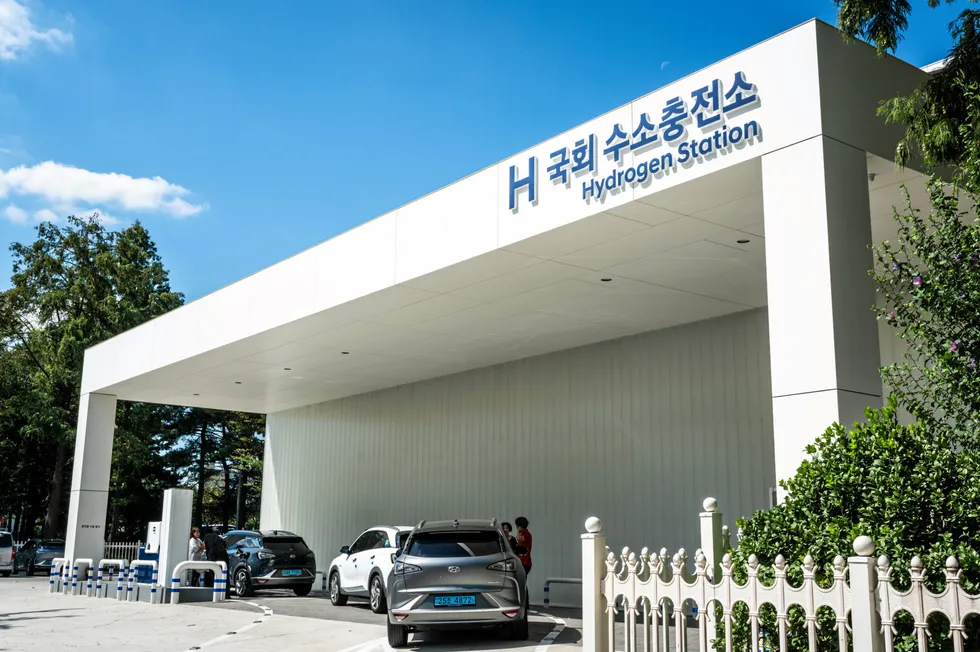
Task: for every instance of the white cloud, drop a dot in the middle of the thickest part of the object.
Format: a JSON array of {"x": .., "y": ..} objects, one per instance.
[
  {"x": 18, "y": 33},
  {"x": 15, "y": 214},
  {"x": 64, "y": 185},
  {"x": 46, "y": 215}
]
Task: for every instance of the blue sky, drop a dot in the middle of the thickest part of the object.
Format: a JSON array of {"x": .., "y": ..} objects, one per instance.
[{"x": 241, "y": 132}]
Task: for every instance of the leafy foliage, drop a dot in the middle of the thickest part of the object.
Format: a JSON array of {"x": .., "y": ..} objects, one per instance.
[
  {"x": 903, "y": 485},
  {"x": 941, "y": 125},
  {"x": 929, "y": 280},
  {"x": 76, "y": 285}
]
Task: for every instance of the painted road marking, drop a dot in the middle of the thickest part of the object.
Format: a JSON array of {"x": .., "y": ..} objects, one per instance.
[
  {"x": 266, "y": 614},
  {"x": 553, "y": 634}
]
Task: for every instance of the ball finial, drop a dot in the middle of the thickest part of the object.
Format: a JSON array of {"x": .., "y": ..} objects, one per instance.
[
  {"x": 864, "y": 546},
  {"x": 593, "y": 525},
  {"x": 710, "y": 505}
]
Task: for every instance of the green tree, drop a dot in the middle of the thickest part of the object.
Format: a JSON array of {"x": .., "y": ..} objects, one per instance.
[
  {"x": 941, "y": 125},
  {"x": 903, "y": 485},
  {"x": 74, "y": 287}
]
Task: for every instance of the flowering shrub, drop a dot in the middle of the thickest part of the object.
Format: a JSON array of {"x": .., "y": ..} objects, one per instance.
[
  {"x": 904, "y": 486},
  {"x": 929, "y": 283}
]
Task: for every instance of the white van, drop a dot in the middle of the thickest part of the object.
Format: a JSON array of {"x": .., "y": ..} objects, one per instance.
[{"x": 6, "y": 553}]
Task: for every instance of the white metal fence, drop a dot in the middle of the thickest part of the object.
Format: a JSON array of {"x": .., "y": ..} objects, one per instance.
[
  {"x": 647, "y": 587},
  {"x": 112, "y": 550}
]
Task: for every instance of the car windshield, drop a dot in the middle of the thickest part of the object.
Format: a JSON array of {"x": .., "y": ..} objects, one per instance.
[
  {"x": 455, "y": 544},
  {"x": 6, "y": 540},
  {"x": 286, "y": 544},
  {"x": 51, "y": 544}
]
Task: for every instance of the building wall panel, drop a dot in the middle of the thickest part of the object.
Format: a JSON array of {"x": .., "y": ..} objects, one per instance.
[{"x": 637, "y": 431}]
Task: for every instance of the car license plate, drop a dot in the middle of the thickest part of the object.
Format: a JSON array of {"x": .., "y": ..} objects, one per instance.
[
  {"x": 455, "y": 600},
  {"x": 292, "y": 573}
]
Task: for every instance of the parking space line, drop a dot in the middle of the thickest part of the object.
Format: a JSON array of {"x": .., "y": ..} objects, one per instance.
[
  {"x": 266, "y": 614},
  {"x": 553, "y": 634}
]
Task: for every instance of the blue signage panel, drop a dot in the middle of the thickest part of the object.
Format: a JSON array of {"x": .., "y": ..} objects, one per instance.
[{"x": 712, "y": 108}]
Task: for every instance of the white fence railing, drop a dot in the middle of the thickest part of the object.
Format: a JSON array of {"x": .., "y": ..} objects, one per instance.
[
  {"x": 111, "y": 549},
  {"x": 646, "y": 587}
]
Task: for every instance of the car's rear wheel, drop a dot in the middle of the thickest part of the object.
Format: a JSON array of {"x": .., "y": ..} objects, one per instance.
[
  {"x": 378, "y": 603},
  {"x": 397, "y": 635},
  {"x": 243, "y": 583},
  {"x": 303, "y": 591},
  {"x": 5, "y": 573},
  {"x": 337, "y": 598},
  {"x": 16, "y": 570},
  {"x": 30, "y": 569}
]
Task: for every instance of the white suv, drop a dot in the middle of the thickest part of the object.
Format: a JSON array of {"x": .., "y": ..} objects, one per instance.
[
  {"x": 363, "y": 568},
  {"x": 6, "y": 553}
]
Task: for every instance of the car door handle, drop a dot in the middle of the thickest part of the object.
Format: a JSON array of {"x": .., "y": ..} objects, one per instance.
[{"x": 373, "y": 556}]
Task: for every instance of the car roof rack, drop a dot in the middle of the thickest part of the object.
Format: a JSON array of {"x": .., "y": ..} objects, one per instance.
[
  {"x": 493, "y": 522},
  {"x": 419, "y": 526}
]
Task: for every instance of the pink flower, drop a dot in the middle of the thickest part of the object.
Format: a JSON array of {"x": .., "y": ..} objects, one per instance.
[
  {"x": 953, "y": 346},
  {"x": 917, "y": 281},
  {"x": 891, "y": 315}
]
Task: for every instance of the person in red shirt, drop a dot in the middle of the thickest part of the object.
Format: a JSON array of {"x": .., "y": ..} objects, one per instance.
[{"x": 523, "y": 549}]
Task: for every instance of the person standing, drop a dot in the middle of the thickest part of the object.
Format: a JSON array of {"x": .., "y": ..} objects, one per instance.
[
  {"x": 210, "y": 540},
  {"x": 195, "y": 552},
  {"x": 524, "y": 541},
  {"x": 218, "y": 550},
  {"x": 505, "y": 526}
]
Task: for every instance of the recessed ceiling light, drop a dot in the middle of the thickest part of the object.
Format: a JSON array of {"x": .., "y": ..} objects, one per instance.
[
  {"x": 743, "y": 241},
  {"x": 238, "y": 382},
  {"x": 605, "y": 280},
  {"x": 197, "y": 395},
  {"x": 345, "y": 353},
  {"x": 287, "y": 369}
]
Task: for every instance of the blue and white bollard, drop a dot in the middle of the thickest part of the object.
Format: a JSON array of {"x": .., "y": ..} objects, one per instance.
[
  {"x": 88, "y": 582},
  {"x": 174, "y": 590},
  {"x": 120, "y": 594},
  {"x": 547, "y": 599},
  {"x": 153, "y": 586}
]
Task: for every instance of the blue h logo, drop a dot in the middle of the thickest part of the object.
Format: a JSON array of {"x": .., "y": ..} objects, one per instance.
[{"x": 530, "y": 182}]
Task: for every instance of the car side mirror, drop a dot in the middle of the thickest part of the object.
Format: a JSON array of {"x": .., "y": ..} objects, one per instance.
[{"x": 345, "y": 550}]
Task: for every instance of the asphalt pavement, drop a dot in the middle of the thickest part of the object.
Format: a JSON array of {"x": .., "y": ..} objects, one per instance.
[{"x": 31, "y": 619}]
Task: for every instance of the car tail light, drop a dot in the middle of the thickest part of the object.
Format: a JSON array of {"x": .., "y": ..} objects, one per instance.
[
  {"x": 512, "y": 613},
  {"x": 399, "y": 616},
  {"x": 401, "y": 568},
  {"x": 506, "y": 566}
]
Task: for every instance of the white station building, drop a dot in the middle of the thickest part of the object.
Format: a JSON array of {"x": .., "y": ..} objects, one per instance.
[{"x": 665, "y": 303}]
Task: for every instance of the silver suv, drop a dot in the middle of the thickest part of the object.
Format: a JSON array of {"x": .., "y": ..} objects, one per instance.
[{"x": 456, "y": 574}]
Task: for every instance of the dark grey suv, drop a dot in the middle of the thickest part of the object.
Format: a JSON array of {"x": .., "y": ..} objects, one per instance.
[
  {"x": 456, "y": 574},
  {"x": 269, "y": 559}
]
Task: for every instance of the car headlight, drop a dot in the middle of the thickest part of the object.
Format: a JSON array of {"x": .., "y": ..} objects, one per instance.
[
  {"x": 506, "y": 566},
  {"x": 266, "y": 555},
  {"x": 401, "y": 568}
]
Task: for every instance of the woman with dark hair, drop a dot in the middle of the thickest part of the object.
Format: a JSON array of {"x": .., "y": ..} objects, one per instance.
[
  {"x": 195, "y": 552},
  {"x": 523, "y": 549},
  {"x": 505, "y": 526}
]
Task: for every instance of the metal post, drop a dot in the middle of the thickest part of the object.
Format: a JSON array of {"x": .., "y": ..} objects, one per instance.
[
  {"x": 153, "y": 586},
  {"x": 593, "y": 603},
  {"x": 865, "y": 621}
]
